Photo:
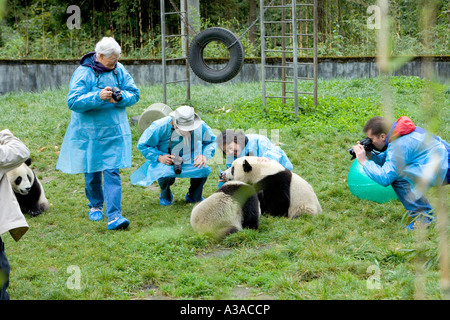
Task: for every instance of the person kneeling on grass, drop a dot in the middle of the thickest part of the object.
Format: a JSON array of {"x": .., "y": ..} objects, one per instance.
[
  {"x": 176, "y": 146},
  {"x": 411, "y": 160},
  {"x": 98, "y": 139},
  {"x": 237, "y": 144}
]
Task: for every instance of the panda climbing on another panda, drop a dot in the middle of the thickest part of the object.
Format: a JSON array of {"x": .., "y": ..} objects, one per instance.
[
  {"x": 28, "y": 189},
  {"x": 280, "y": 191},
  {"x": 228, "y": 210}
]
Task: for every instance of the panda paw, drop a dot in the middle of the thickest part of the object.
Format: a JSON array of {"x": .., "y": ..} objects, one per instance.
[{"x": 35, "y": 213}]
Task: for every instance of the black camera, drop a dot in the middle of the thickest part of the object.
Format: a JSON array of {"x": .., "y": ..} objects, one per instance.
[
  {"x": 368, "y": 146},
  {"x": 116, "y": 94},
  {"x": 177, "y": 163}
]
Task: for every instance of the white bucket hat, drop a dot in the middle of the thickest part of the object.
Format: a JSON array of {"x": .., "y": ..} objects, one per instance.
[{"x": 185, "y": 118}]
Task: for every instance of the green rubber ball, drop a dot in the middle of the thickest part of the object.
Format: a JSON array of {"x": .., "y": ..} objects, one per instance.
[{"x": 363, "y": 187}]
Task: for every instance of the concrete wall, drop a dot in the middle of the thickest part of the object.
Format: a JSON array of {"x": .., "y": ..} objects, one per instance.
[{"x": 37, "y": 75}]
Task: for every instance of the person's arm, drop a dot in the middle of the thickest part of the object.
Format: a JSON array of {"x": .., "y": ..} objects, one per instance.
[
  {"x": 268, "y": 150},
  {"x": 383, "y": 174},
  {"x": 82, "y": 97},
  {"x": 208, "y": 142},
  {"x": 13, "y": 152},
  {"x": 148, "y": 143},
  {"x": 130, "y": 93}
]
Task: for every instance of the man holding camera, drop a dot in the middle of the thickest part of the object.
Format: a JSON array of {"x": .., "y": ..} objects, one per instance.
[
  {"x": 98, "y": 139},
  {"x": 410, "y": 159},
  {"x": 176, "y": 146}
]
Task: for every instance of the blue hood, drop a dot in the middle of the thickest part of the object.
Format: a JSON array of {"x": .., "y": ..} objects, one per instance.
[{"x": 89, "y": 60}]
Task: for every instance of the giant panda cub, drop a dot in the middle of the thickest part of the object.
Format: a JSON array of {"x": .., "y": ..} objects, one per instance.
[
  {"x": 28, "y": 189},
  {"x": 231, "y": 208},
  {"x": 280, "y": 191}
]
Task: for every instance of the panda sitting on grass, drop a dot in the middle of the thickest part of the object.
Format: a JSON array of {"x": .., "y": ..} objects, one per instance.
[
  {"x": 280, "y": 191},
  {"x": 233, "y": 207},
  {"x": 28, "y": 189}
]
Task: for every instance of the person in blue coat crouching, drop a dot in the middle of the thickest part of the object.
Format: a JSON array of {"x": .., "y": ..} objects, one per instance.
[
  {"x": 237, "y": 144},
  {"x": 176, "y": 146},
  {"x": 98, "y": 139},
  {"x": 408, "y": 158}
]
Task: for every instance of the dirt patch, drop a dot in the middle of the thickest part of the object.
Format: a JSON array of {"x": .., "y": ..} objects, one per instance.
[
  {"x": 216, "y": 253},
  {"x": 246, "y": 293},
  {"x": 153, "y": 293},
  {"x": 239, "y": 293},
  {"x": 224, "y": 252}
]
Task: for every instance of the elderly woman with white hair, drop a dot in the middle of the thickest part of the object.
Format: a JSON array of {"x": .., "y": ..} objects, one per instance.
[{"x": 98, "y": 139}]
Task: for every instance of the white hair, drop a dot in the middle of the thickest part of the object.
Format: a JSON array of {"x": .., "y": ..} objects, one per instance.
[{"x": 108, "y": 47}]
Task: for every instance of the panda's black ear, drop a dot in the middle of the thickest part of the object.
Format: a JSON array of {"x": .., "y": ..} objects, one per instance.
[
  {"x": 247, "y": 167},
  {"x": 28, "y": 161}
]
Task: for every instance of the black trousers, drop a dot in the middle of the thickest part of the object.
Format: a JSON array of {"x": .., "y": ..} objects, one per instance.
[
  {"x": 195, "y": 189},
  {"x": 4, "y": 272}
]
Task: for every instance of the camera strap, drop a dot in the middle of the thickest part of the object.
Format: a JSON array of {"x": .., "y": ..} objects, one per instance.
[
  {"x": 97, "y": 75},
  {"x": 187, "y": 144},
  {"x": 172, "y": 129}
]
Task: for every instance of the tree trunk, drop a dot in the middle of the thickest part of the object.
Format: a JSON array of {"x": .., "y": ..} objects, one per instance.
[
  {"x": 251, "y": 19},
  {"x": 111, "y": 26},
  {"x": 94, "y": 36},
  {"x": 141, "y": 42}
]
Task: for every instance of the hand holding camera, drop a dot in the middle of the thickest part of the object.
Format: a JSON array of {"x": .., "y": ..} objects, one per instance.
[
  {"x": 366, "y": 143},
  {"x": 112, "y": 95},
  {"x": 166, "y": 159},
  {"x": 116, "y": 94},
  {"x": 170, "y": 159}
]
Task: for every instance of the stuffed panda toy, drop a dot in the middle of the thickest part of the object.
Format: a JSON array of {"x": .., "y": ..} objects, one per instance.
[
  {"x": 231, "y": 208},
  {"x": 28, "y": 189},
  {"x": 280, "y": 191}
]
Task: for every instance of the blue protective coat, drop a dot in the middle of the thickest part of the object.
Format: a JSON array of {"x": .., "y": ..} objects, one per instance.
[
  {"x": 412, "y": 156},
  {"x": 261, "y": 146},
  {"x": 98, "y": 136},
  {"x": 155, "y": 142}
]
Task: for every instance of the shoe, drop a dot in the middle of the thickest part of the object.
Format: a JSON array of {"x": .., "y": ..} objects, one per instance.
[
  {"x": 190, "y": 200},
  {"x": 421, "y": 221},
  {"x": 118, "y": 223},
  {"x": 165, "y": 202},
  {"x": 96, "y": 214}
]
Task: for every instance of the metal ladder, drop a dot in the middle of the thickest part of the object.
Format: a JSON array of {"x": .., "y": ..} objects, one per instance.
[
  {"x": 290, "y": 45},
  {"x": 184, "y": 17}
]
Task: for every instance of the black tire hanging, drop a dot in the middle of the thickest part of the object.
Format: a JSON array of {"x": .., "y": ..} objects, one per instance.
[{"x": 198, "y": 64}]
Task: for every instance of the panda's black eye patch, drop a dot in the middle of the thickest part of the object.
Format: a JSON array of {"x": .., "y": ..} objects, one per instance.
[
  {"x": 18, "y": 180},
  {"x": 29, "y": 178},
  {"x": 232, "y": 171}
]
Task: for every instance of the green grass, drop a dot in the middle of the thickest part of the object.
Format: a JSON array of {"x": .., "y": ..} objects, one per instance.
[{"x": 159, "y": 255}]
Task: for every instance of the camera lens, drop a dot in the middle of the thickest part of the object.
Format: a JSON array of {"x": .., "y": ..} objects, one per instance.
[
  {"x": 177, "y": 168},
  {"x": 177, "y": 163},
  {"x": 116, "y": 94}
]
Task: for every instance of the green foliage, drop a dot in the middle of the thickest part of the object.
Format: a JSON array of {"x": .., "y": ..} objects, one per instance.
[{"x": 37, "y": 29}]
